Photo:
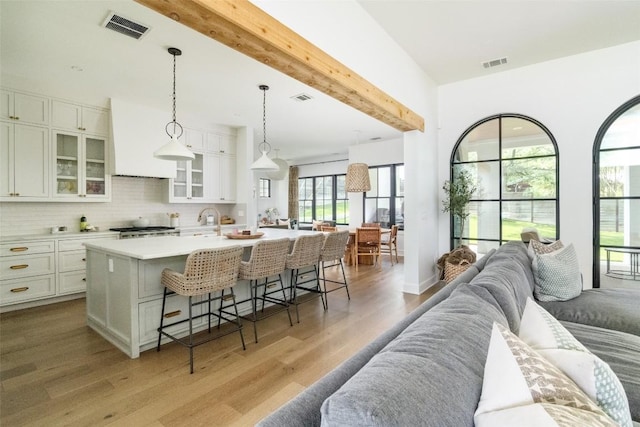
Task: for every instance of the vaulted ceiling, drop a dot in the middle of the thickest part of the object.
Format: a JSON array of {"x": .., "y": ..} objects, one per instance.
[{"x": 45, "y": 44}]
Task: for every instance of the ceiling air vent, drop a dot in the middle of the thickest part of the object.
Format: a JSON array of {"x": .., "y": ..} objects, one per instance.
[
  {"x": 125, "y": 26},
  {"x": 302, "y": 97},
  {"x": 494, "y": 62}
]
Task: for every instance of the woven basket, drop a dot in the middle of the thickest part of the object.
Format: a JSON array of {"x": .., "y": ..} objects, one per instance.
[{"x": 451, "y": 271}]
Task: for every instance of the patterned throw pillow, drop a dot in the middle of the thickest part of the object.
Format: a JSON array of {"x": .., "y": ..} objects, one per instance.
[
  {"x": 518, "y": 381},
  {"x": 557, "y": 275},
  {"x": 537, "y": 248},
  {"x": 547, "y": 336}
]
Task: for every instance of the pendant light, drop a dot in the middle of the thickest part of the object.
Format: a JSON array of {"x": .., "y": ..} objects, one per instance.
[
  {"x": 283, "y": 168},
  {"x": 174, "y": 150},
  {"x": 264, "y": 162},
  {"x": 357, "y": 179}
]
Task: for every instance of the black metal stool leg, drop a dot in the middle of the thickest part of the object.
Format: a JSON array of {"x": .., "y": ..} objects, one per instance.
[
  {"x": 164, "y": 299},
  {"x": 238, "y": 321},
  {"x": 190, "y": 335},
  {"x": 254, "y": 303}
]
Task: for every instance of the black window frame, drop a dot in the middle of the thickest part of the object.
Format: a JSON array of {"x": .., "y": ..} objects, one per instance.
[
  {"x": 602, "y": 131},
  {"x": 334, "y": 193},
  {"x": 261, "y": 187},
  {"x": 501, "y": 199},
  {"x": 393, "y": 197}
]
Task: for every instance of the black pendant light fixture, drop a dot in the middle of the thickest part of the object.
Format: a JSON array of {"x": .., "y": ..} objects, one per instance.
[
  {"x": 174, "y": 150},
  {"x": 264, "y": 162}
]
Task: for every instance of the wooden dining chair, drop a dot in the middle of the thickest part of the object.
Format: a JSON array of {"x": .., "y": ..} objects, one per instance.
[
  {"x": 389, "y": 243},
  {"x": 367, "y": 244},
  {"x": 370, "y": 224},
  {"x": 328, "y": 228}
]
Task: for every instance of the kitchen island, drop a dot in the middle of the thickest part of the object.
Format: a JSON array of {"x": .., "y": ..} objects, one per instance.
[{"x": 124, "y": 293}]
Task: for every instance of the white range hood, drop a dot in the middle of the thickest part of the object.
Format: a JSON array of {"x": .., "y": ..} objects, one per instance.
[{"x": 137, "y": 132}]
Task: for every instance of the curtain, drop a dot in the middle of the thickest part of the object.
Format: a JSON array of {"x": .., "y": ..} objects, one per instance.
[{"x": 293, "y": 192}]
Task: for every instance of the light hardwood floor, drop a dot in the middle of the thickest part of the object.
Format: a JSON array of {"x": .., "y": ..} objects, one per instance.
[{"x": 57, "y": 371}]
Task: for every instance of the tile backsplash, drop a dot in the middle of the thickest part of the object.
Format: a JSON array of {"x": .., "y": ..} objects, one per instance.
[{"x": 132, "y": 197}]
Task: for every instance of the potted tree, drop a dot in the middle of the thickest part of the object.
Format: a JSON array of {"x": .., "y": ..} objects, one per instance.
[{"x": 458, "y": 192}]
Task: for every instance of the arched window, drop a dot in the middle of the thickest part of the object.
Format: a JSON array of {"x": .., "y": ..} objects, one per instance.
[
  {"x": 616, "y": 190},
  {"x": 514, "y": 162}
]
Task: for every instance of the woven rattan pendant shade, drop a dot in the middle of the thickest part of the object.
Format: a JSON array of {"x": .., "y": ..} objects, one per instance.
[{"x": 357, "y": 180}]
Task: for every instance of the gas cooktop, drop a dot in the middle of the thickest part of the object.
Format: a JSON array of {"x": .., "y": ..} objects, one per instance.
[{"x": 150, "y": 228}]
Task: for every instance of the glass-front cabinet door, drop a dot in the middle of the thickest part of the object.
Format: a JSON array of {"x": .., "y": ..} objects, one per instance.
[
  {"x": 80, "y": 166},
  {"x": 197, "y": 177},
  {"x": 95, "y": 165},
  {"x": 188, "y": 185},
  {"x": 67, "y": 159}
]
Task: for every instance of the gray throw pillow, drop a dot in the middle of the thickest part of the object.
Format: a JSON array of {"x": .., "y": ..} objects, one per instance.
[{"x": 557, "y": 275}]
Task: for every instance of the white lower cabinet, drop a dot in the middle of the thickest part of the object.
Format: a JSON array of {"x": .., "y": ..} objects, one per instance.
[
  {"x": 27, "y": 289},
  {"x": 72, "y": 264},
  {"x": 27, "y": 271},
  {"x": 34, "y": 271}
]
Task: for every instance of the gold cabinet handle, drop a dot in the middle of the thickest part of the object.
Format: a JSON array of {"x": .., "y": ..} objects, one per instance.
[
  {"x": 23, "y": 289},
  {"x": 227, "y": 297},
  {"x": 19, "y": 249},
  {"x": 19, "y": 266},
  {"x": 173, "y": 314}
]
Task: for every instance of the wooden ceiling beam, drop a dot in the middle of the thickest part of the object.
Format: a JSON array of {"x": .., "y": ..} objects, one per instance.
[{"x": 248, "y": 29}]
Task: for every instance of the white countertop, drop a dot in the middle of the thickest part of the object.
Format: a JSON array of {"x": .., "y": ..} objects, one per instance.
[{"x": 169, "y": 246}]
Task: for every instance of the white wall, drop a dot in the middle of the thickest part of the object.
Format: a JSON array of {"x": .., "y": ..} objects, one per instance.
[
  {"x": 334, "y": 27},
  {"x": 572, "y": 97}
]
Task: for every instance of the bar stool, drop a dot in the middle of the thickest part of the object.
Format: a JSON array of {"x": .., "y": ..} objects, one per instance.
[
  {"x": 206, "y": 272},
  {"x": 332, "y": 252},
  {"x": 267, "y": 259},
  {"x": 305, "y": 254}
]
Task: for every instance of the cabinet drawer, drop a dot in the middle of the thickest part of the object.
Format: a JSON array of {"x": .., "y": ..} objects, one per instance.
[
  {"x": 177, "y": 309},
  {"x": 14, "y": 291},
  {"x": 32, "y": 265},
  {"x": 77, "y": 244},
  {"x": 26, "y": 248},
  {"x": 72, "y": 261},
  {"x": 72, "y": 282}
]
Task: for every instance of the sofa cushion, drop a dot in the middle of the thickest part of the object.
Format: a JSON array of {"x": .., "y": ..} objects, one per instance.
[
  {"x": 557, "y": 275},
  {"x": 621, "y": 351},
  {"x": 547, "y": 336},
  {"x": 517, "y": 376},
  {"x": 606, "y": 308},
  {"x": 430, "y": 375},
  {"x": 507, "y": 276}
]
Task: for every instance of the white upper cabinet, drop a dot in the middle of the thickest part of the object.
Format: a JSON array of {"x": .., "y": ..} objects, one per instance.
[
  {"x": 79, "y": 118},
  {"x": 24, "y": 108},
  {"x": 194, "y": 139},
  {"x": 221, "y": 143},
  {"x": 24, "y": 162}
]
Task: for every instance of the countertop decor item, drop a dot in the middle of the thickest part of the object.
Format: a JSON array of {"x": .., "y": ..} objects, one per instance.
[
  {"x": 264, "y": 163},
  {"x": 244, "y": 236},
  {"x": 174, "y": 150},
  {"x": 140, "y": 222}
]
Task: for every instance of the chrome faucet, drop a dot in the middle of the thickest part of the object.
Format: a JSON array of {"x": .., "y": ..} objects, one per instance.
[{"x": 218, "y": 218}]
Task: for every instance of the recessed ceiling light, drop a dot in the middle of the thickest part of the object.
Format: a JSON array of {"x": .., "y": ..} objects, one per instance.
[
  {"x": 77, "y": 68},
  {"x": 517, "y": 128}
]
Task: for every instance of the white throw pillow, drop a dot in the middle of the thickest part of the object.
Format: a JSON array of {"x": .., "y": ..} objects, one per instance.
[
  {"x": 516, "y": 376},
  {"x": 557, "y": 275},
  {"x": 554, "y": 342}
]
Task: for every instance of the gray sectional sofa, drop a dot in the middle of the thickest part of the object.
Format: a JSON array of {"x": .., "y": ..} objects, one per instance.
[{"x": 428, "y": 369}]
